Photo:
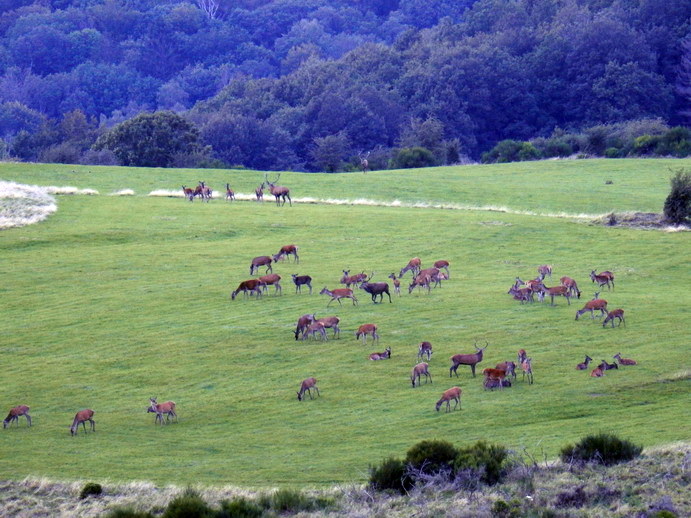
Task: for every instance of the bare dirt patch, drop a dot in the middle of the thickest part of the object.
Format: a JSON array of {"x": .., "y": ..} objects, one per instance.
[{"x": 640, "y": 220}]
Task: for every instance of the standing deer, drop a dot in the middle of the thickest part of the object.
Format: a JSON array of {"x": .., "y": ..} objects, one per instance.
[
  {"x": 259, "y": 192},
  {"x": 521, "y": 356},
  {"x": 205, "y": 191},
  {"x": 497, "y": 375},
  {"x": 15, "y": 413},
  {"x": 303, "y": 323},
  {"x": 278, "y": 191},
  {"x": 313, "y": 329},
  {"x": 615, "y": 313},
  {"x": 545, "y": 270},
  {"x": 188, "y": 192},
  {"x": 571, "y": 285},
  {"x": 467, "y": 359},
  {"x": 508, "y": 367},
  {"x": 364, "y": 163},
  {"x": 271, "y": 280},
  {"x": 307, "y": 386},
  {"x": 419, "y": 370},
  {"x": 376, "y": 288},
  {"x": 349, "y": 280},
  {"x": 555, "y": 291},
  {"x": 262, "y": 260},
  {"x": 425, "y": 348},
  {"x": 443, "y": 265},
  {"x": 527, "y": 368},
  {"x": 285, "y": 251},
  {"x": 381, "y": 356},
  {"x": 338, "y": 294},
  {"x": 230, "y": 194},
  {"x": 367, "y": 329},
  {"x": 332, "y": 323},
  {"x": 603, "y": 278},
  {"x": 452, "y": 394},
  {"x": 624, "y": 361},
  {"x": 412, "y": 266},
  {"x": 584, "y": 366},
  {"x": 396, "y": 284},
  {"x": 300, "y": 281},
  {"x": 251, "y": 286},
  {"x": 159, "y": 409},
  {"x": 82, "y": 417},
  {"x": 593, "y": 305}
]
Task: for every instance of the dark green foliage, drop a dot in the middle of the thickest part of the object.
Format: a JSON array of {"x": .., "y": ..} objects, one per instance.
[
  {"x": 601, "y": 448},
  {"x": 486, "y": 459},
  {"x": 677, "y": 206},
  {"x": 128, "y": 512},
  {"x": 240, "y": 508},
  {"x": 291, "y": 501},
  {"x": 90, "y": 489},
  {"x": 408, "y": 158},
  {"x": 188, "y": 505},
  {"x": 502, "y": 509},
  {"x": 511, "y": 151},
  {"x": 390, "y": 475},
  {"x": 431, "y": 456}
]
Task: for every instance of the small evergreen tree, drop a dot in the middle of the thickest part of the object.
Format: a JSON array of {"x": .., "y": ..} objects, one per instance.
[{"x": 677, "y": 207}]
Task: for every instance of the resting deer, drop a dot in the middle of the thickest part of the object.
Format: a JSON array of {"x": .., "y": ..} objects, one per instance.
[
  {"x": 467, "y": 359},
  {"x": 607, "y": 366},
  {"x": 307, "y": 386},
  {"x": 278, "y": 191},
  {"x": 338, "y": 294},
  {"x": 381, "y": 356},
  {"x": 624, "y": 361},
  {"x": 15, "y": 414},
  {"x": 425, "y": 348},
  {"x": 597, "y": 372},
  {"x": 584, "y": 366},
  {"x": 421, "y": 369},
  {"x": 367, "y": 329},
  {"x": 81, "y": 418},
  {"x": 615, "y": 313},
  {"x": 452, "y": 394}
]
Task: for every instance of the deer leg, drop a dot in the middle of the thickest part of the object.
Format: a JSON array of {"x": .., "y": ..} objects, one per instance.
[{"x": 472, "y": 367}]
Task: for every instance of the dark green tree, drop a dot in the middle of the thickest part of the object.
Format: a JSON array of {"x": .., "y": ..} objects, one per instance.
[{"x": 677, "y": 207}]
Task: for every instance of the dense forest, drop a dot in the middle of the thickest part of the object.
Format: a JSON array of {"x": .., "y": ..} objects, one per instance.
[{"x": 312, "y": 84}]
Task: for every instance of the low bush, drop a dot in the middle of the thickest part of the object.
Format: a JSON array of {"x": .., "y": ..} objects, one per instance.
[
  {"x": 391, "y": 474},
  {"x": 432, "y": 456},
  {"x": 677, "y": 206},
  {"x": 602, "y": 448},
  {"x": 91, "y": 489},
  {"x": 410, "y": 158},
  {"x": 293, "y": 501},
  {"x": 188, "y": 505},
  {"x": 240, "y": 508},
  {"x": 485, "y": 459},
  {"x": 502, "y": 509}
]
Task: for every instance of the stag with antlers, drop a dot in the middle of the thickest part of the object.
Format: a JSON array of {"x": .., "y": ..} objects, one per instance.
[
  {"x": 278, "y": 191},
  {"x": 364, "y": 163}
]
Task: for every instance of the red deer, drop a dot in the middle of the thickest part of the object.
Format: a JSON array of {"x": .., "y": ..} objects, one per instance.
[
  {"x": 230, "y": 194},
  {"x": 300, "y": 281},
  {"x": 593, "y": 305},
  {"x": 495, "y": 375},
  {"x": 338, "y": 294},
  {"x": 381, "y": 356},
  {"x": 527, "y": 368},
  {"x": 597, "y": 373},
  {"x": 508, "y": 367},
  {"x": 159, "y": 409},
  {"x": 367, "y": 329},
  {"x": 251, "y": 286},
  {"x": 303, "y": 323},
  {"x": 313, "y": 329},
  {"x": 332, "y": 323},
  {"x": 424, "y": 278},
  {"x": 442, "y": 264},
  {"x": 571, "y": 285},
  {"x": 452, "y": 394},
  {"x": 348, "y": 280},
  {"x": 278, "y": 191},
  {"x": 607, "y": 366},
  {"x": 467, "y": 359},
  {"x": 262, "y": 260},
  {"x": 412, "y": 266},
  {"x": 584, "y": 366},
  {"x": 259, "y": 192},
  {"x": 419, "y": 370},
  {"x": 521, "y": 356},
  {"x": 307, "y": 386},
  {"x": 188, "y": 192},
  {"x": 206, "y": 192},
  {"x": 396, "y": 284},
  {"x": 425, "y": 348},
  {"x": 82, "y": 417},
  {"x": 271, "y": 280},
  {"x": 285, "y": 251},
  {"x": 364, "y": 163},
  {"x": 624, "y": 361},
  {"x": 491, "y": 384},
  {"x": 615, "y": 313},
  {"x": 376, "y": 288},
  {"x": 198, "y": 190},
  {"x": 603, "y": 279},
  {"x": 545, "y": 270},
  {"x": 555, "y": 291},
  {"x": 15, "y": 413},
  {"x": 521, "y": 294}
]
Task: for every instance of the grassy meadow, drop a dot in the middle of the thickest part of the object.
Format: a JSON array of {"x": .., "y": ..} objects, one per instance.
[{"x": 114, "y": 299}]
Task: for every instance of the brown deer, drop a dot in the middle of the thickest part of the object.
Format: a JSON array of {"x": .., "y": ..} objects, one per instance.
[
  {"x": 230, "y": 193},
  {"x": 584, "y": 366},
  {"x": 259, "y": 192},
  {"x": 524, "y": 295},
  {"x": 15, "y": 413},
  {"x": 443, "y": 265},
  {"x": 491, "y": 384},
  {"x": 571, "y": 285},
  {"x": 495, "y": 375},
  {"x": 262, "y": 260},
  {"x": 508, "y": 367},
  {"x": 615, "y": 313},
  {"x": 303, "y": 323},
  {"x": 307, "y": 386},
  {"x": 278, "y": 191},
  {"x": 424, "y": 278},
  {"x": 467, "y": 359},
  {"x": 412, "y": 266},
  {"x": 367, "y": 329},
  {"x": 555, "y": 291},
  {"x": 271, "y": 280},
  {"x": 251, "y": 286},
  {"x": 364, "y": 163},
  {"x": 313, "y": 329},
  {"x": 624, "y": 361},
  {"x": 396, "y": 284},
  {"x": 452, "y": 394},
  {"x": 521, "y": 356},
  {"x": 593, "y": 305},
  {"x": 425, "y": 348},
  {"x": 597, "y": 372},
  {"x": 527, "y": 368},
  {"x": 349, "y": 280},
  {"x": 188, "y": 192},
  {"x": 603, "y": 278},
  {"x": 206, "y": 192},
  {"x": 159, "y": 409},
  {"x": 419, "y": 370},
  {"x": 338, "y": 294},
  {"x": 81, "y": 418},
  {"x": 608, "y": 366},
  {"x": 381, "y": 356},
  {"x": 300, "y": 281},
  {"x": 285, "y": 251},
  {"x": 376, "y": 288},
  {"x": 545, "y": 270},
  {"x": 332, "y": 323}
]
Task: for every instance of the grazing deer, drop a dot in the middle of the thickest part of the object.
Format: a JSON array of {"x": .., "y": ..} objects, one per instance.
[
  {"x": 555, "y": 291},
  {"x": 467, "y": 359},
  {"x": 367, "y": 329},
  {"x": 332, "y": 323},
  {"x": 584, "y": 366},
  {"x": 593, "y": 305},
  {"x": 82, "y": 417},
  {"x": 285, "y": 251},
  {"x": 198, "y": 190},
  {"x": 615, "y": 313},
  {"x": 313, "y": 329},
  {"x": 251, "y": 286},
  {"x": 230, "y": 194},
  {"x": 419, "y": 370},
  {"x": 364, "y": 163},
  {"x": 425, "y": 348},
  {"x": 188, "y": 192},
  {"x": 159, "y": 409},
  {"x": 349, "y": 280},
  {"x": 338, "y": 294},
  {"x": 307, "y": 386},
  {"x": 608, "y": 366},
  {"x": 300, "y": 281},
  {"x": 376, "y": 288},
  {"x": 508, "y": 367},
  {"x": 624, "y": 361},
  {"x": 443, "y": 265},
  {"x": 262, "y": 260},
  {"x": 603, "y": 279},
  {"x": 396, "y": 284},
  {"x": 424, "y": 278},
  {"x": 259, "y": 192},
  {"x": 271, "y": 280},
  {"x": 495, "y": 375},
  {"x": 597, "y": 373},
  {"x": 412, "y": 266},
  {"x": 303, "y": 323},
  {"x": 571, "y": 286},
  {"x": 527, "y": 368},
  {"x": 452, "y": 394},
  {"x": 278, "y": 191},
  {"x": 15, "y": 413},
  {"x": 381, "y": 356},
  {"x": 545, "y": 270}
]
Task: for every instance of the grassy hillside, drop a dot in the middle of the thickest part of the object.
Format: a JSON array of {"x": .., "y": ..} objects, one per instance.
[{"x": 116, "y": 299}]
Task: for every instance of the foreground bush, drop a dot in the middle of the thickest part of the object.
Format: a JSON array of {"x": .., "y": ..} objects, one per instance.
[
  {"x": 90, "y": 489},
  {"x": 485, "y": 459},
  {"x": 602, "y": 448},
  {"x": 432, "y": 456},
  {"x": 391, "y": 474},
  {"x": 188, "y": 505}
]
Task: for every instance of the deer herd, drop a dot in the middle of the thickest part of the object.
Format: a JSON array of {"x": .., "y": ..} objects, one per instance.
[{"x": 205, "y": 193}]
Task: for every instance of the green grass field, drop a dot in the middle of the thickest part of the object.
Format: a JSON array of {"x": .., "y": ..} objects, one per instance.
[{"x": 116, "y": 299}]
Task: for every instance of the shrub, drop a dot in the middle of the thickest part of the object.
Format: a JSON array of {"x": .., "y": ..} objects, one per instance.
[
  {"x": 552, "y": 147},
  {"x": 408, "y": 158},
  {"x": 612, "y": 152},
  {"x": 502, "y": 509},
  {"x": 432, "y": 456},
  {"x": 64, "y": 153},
  {"x": 188, "y": 505},
  {"x": 504, "y": 151},
  {"x": 602, "y": 448},
  {"x": 486, "y": 459},
  {"x": 390, "y": 474},
  {"x": 91, "y": 489},
  {"x": 645, "y": 144},
  {"x": 290, "y": 500},
  {"x": 240, "y": 508},
  {"x": 528, "y": 152},
  {"x": 676, "y": 142},
  {"x": 677, "y": 208}
]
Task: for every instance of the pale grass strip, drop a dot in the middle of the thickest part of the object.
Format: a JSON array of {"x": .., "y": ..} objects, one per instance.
[
  {"x": 122, "y": 192},
  {"x": 70, "y": 190},
  {"x": 24, "y": 204}
]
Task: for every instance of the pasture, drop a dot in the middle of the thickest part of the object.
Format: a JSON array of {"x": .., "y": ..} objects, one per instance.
[{"x": 113, "y": 300}]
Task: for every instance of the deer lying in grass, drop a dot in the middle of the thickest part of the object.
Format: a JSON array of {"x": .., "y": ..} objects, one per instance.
[
  {"x": 624, "y": 361},
  {"x": 251, "y": 286},
  {"x": 419, "y": 370},
  {"x": 159, "y": 409},
  {"x": 381, "y": 356},
  {"x": 300, "y": 281},
  {"x": 597, "y": 373},
  {"x": 491, "y": 384},
  {"x": 615, "y": 313},
  {"x": 338, "y": 294},
  {"x": 584, "y": 366},
  {"x": 452, "y": 394},
  {"x": 497, "y": 375},
  {"x": 607, "y": 366},
  {"x": 425, "y": 348},
  {"x": 81, "y": 418},
  {"x": 307, "y": 386},
  {"x": 367, "y": 329},
  {"x": 15, "y": 414},
  {"x": 521, "y": 294},
  {"x": 303, "y": 323},
  {"x": 467, "y": 359}
]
